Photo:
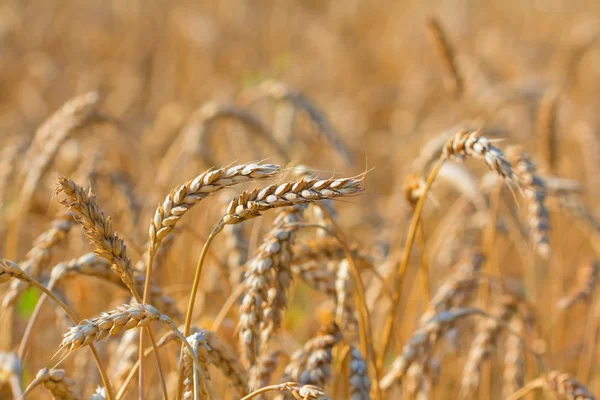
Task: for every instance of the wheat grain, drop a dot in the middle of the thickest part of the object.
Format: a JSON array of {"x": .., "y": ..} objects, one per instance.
[
  {"x": 98, "y": 228},
  {"x": 184, "y": 197},
  {"x": 251, "y": 204}
]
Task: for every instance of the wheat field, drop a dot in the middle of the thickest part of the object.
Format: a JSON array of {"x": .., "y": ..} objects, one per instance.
[{"x": 309, "y": 199}]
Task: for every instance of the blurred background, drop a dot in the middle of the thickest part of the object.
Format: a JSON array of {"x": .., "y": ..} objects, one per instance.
[{"x": 373, "y": 81}]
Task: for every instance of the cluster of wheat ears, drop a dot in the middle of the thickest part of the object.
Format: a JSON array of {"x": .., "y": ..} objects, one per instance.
[{"x": 229, "y": 329}]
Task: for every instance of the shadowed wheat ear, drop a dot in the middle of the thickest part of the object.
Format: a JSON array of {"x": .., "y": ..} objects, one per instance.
[
  {"x": 267, "y": 278},
  {"x": 191, "y": 388},
  {"x": 557, "y": 382},
  {"x": 360, "y": 384},
  {"x": 56, "y": 382}
]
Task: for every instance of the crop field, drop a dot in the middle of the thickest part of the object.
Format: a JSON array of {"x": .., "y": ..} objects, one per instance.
[{"x": 300, "y": 199}]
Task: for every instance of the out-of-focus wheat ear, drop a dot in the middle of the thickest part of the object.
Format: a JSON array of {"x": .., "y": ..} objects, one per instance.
[
  {"x": 546, "y": 128},
  {"x": 10, "y": 372},
  {"x": 56, "y": 382},
  {"x": 319, "y": 250},
  {"x": 279, "y": 91},
  {"x": 223, "y": 357},
  {"x": 38, "y": 257},
  {"x": 99, "y": 394},
  {"x": 184, "y": 197},
  {"x": 291, "y": 390},
  {"x": 585, "y": 286},
  {"x": 251, "y": 204},
  {"x": 98, "y": 228},
  {"x": 195, "y": 137},
  {"x": 453, "y": 81},
  {"x": 456, "y": 292},
  {"x": 125, "y": 356},
  {"x": 534, "y": 188},
  {"x": 343, "y": 288},
  {"x": 589, "y": 146},
  {"x": 198, "y": 133},
  {"x": 10, "y": 156},
  {"x": 267, "y": 278},
  {"x": 557, "y": 382},
  {"x": 514, "y": 361},
  {"x": 237, "y": 252},
  {"x": 422, "y": 342},
  {"x": 360, "y": 384},
  {"x": 260, "y": 373},
  {"x": 484, "y": 342}
]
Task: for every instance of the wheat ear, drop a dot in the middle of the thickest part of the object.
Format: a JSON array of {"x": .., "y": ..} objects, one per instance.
[{"x": 56, "y": 382}]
